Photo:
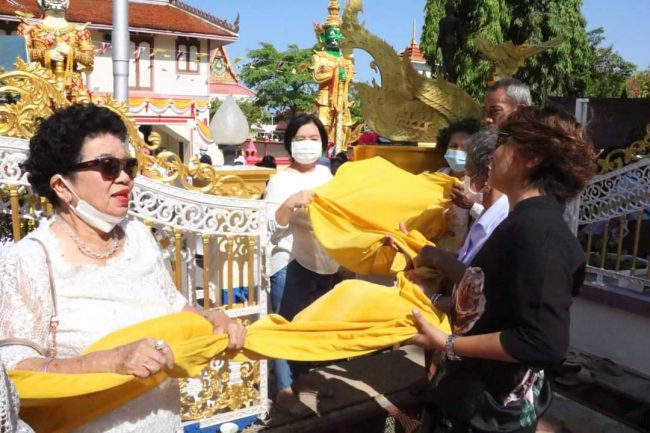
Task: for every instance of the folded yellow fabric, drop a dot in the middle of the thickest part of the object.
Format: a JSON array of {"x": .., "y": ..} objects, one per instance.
[
  {"x": 352, "y": 214},
  {"x": 354, "y": 318}
]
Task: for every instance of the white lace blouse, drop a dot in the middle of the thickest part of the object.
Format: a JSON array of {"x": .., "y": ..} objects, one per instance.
[
  {"x": 10, "y": 406},
  {"x": 92, "y": 301}
]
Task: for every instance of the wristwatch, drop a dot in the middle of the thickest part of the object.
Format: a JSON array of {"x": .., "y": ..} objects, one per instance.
[{"x": 449, "y": 349}]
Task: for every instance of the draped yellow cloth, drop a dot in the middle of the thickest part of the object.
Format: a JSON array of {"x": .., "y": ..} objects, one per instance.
[
  {"x": 352, "y": 214},
  {"x": 354, "y": 318}
]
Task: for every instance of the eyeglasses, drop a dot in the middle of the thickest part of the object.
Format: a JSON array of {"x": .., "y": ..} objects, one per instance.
[
  {"x": 110, "y": 167},
  {"x": 502, "y": 138}
]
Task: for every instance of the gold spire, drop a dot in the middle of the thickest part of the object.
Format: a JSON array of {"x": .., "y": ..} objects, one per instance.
[
  {"x": 333, "y": 20},
  {"x": 413, "y": 41}
]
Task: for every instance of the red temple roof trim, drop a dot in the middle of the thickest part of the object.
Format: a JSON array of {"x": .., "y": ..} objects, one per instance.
[
  {"x": 174, "y": 16},
  {"x": 229, "y": 89},
  {"x": 413, "y": 53}
]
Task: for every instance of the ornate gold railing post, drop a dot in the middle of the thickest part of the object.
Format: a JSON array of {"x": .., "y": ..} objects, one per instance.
[
  {"x": 619, "y": 247},
  {"x": 604, "y": 248},
  {"x": 229, "y": 251},
  {"x": 589, "y": 240},
  {"x": 46, "y": 206},
  {"x": 178, "y": 258},
  {"x": 251, "y": 273},
  {"x": 637, "y": 235},
  {"x": 206, "y": 271},
  {"x": 15, "y": 212}
]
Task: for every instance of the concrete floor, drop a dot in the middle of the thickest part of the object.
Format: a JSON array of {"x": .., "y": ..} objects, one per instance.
[{"x": 363, "y": 385}]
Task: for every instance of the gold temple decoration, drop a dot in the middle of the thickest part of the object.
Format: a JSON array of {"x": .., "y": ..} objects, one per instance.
[
  {"x": 333, "y": 71},
  {"x": 63, "y": 48},
  {"x": 407, "y": 106},
  {"x": 333, "y": 19},
  {"x": 217, "y": 394},
  {"x": 508, "y": 57},
  {"x": 37, "y": 94},
  {"x": 619, "y": 158}
]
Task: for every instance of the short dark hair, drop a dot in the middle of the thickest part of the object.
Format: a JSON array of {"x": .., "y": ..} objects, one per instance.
[
  {"x": 267, "y": 161},
  {"x": 205, "y": 159},
  {"x": 57, "y": 144},
  {"x": 567, "y": 159},
  {"x": 299, "y": 121},
  {"x": 468, "y": 126}
]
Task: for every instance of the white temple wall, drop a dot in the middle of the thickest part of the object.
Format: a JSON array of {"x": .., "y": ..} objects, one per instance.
[{"x": 166, "y": 79}]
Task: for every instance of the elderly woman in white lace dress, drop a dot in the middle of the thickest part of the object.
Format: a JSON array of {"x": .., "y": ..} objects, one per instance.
[
  {"x": 10, "y": 406},
  {"x": 105, "y": 272}
]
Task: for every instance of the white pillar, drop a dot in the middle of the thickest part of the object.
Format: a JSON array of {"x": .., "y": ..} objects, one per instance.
[{"x": 120, "y": 41}]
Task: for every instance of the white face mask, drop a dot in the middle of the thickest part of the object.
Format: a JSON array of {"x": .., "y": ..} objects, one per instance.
[
  {"x": 93, "y": 217},
  {"x": 306, "y": 151}
]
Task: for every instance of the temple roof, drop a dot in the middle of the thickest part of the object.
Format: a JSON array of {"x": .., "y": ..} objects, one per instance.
[
  {"x": 165, "y": 16},
  {"x": 413, "y": 50},
  {"x": 413, "y": 53}
]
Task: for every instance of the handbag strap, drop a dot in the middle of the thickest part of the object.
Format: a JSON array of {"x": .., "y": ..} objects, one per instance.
[{"x": 54, "y": 319}]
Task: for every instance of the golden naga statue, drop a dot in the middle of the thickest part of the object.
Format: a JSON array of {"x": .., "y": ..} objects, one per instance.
[
  {"x": 334, "y": 71},
  {"x": 63, "y": 48},
  {"x": 508, "y": 57},
  {"x": 407, "y": 106}
]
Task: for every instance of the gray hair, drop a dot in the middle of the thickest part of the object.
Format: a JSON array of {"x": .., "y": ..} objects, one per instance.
[
  {"x": 516, "y": 91},
  {"x": 479, "y": 150}
]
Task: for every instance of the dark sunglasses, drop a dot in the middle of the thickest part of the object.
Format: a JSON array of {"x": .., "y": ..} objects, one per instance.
[
  {"x": 110, "y": 167},
  {"x": 502, "y": 138}
]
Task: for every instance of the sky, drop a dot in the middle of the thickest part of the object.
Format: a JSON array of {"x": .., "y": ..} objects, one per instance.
[{"x": 283, "y": 22}]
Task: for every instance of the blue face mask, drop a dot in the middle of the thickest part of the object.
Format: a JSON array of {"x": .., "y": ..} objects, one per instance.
[{"x": 456, "y": 159}]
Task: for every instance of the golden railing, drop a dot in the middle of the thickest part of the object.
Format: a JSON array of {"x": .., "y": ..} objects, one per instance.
[
  {"x": 614, "y": 218},
  {"x": 230, "y": 235}
]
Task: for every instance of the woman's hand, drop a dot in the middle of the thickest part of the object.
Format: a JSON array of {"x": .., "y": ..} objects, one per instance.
[
  {"x": 142, "y": 359},
  {"x": 389, "y": 241},
  {"x": 433, "y": 257},
  {"x": 459, "y": 198},
  {"x": 297, "y": 200},
  {"x": 225, "y": 325},
  {"x": 428, "y": 336},
  {"x": 300, "y": 199}
]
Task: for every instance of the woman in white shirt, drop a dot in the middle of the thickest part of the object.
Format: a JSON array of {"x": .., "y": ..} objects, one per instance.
[
  {"x": 89, "y": 271},
  {"x": 301, "y": 269}
]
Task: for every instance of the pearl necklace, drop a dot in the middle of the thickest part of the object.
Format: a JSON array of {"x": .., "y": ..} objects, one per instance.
[{"x": 85, "y": 249}]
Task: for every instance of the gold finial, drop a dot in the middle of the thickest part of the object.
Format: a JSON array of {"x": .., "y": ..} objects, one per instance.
[
  {"x": 333, "y": 19},
  {"x": 413, "y": 41}
]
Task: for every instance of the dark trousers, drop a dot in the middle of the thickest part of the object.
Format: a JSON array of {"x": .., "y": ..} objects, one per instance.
[{"x": 301, "y": 289}]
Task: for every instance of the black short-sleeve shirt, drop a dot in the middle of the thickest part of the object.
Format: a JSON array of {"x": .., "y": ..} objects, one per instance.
[{"x": 533, "y": 265}]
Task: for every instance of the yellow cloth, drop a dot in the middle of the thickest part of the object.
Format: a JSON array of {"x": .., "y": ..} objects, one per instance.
[
  {"x": 352, "y": 214},
  {"x": 354, "y": 318}
]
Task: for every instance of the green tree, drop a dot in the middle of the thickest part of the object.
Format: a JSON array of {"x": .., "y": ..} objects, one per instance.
[
  {"x": 610, "y": 71},
  {"x": 638, "y": 85},
  {"x": 252, "y": 112},
  {"x": 561, "y": 71},
  {"x": 282, "y": 79}
]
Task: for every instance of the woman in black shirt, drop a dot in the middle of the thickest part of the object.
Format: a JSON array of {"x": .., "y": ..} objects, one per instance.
[{"x": 511, "y": 314}]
